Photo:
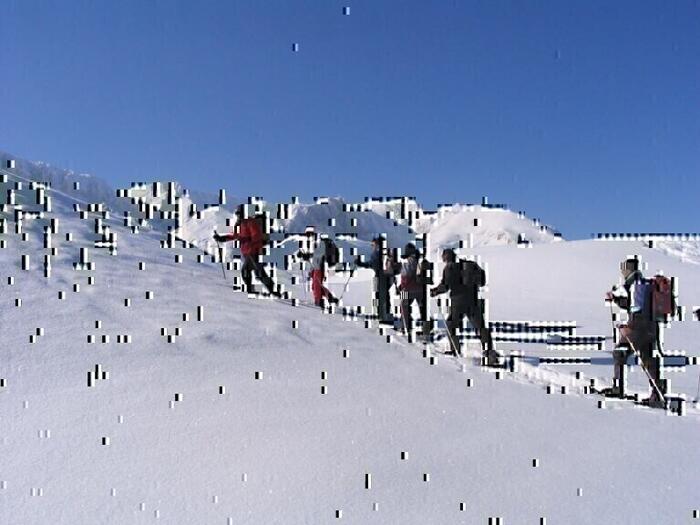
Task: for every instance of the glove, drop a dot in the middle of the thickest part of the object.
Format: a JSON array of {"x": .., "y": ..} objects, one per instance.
[
  {"x": 433, "y": 292},
  {"x": 357, "y": 260},
  {"x": 218, "y": 238}
]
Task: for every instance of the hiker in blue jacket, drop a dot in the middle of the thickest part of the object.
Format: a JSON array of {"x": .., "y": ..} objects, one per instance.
[{"x": 635, "y": 297}]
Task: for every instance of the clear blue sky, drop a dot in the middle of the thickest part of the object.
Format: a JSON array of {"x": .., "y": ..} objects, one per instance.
[{"x": 585, "y": 114}]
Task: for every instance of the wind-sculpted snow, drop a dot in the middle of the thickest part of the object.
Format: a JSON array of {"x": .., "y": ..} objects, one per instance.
[{"x": 687, "y": 250}]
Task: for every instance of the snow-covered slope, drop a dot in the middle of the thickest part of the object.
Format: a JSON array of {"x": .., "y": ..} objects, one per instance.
[
  {"x": 685, "y": 250},
  {"x": 246, "y": 416}
]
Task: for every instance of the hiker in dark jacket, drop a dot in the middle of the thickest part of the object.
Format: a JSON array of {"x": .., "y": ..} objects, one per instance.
[
  {"x": 464, "y": 301},
  {"x": 412, "y": 287},
  {"x": 634, "y": 296},
  {"x": 382, "y": 280},
  {"x": 248, "y": 232}
]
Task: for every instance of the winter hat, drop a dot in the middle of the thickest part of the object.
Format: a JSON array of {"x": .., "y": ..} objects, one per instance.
[
  {"x": 410, "y": 250},
  {"x": 451, "y": 256}
]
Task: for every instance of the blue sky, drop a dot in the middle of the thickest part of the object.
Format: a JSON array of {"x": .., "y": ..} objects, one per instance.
[{"x": 585, "y": 114}]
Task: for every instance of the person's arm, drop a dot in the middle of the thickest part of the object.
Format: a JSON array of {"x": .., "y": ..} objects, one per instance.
[
  {"x": 442, "y": 287},
  {"x": 620, "y": 296},
  {"x": 224, "y": 237},
  {"x": 360, "y": 264},
  {"x": 366, "y": 264},
  {"x": 239, "y": 233}
]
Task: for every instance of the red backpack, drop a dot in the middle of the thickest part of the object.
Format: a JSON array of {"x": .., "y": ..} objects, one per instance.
[{"x": 663, "y": 302}]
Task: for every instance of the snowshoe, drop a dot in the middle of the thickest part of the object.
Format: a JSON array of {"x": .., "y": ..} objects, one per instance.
[
  {"x": 612, "y": 391},
  {"x": 492, "y": 359},
  {"x": 653, "y": 402}
]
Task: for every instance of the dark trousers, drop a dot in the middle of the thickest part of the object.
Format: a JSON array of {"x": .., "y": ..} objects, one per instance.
[
  {"x": 407, "y": 299},
  {"x": 382, "y": 285},
  {"x": 459, "y": 308},
  {"x": 643, "y": 335},
  {"x": 250, "y": 265}
]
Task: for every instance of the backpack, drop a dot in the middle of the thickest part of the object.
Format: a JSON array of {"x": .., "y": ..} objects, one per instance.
[
  {"x": 643, "y": 294},
  {"x": 659, "y": 292},
  {"x": 262, "y": 224},
  {"x": 423, "y": 275},
  {"x": 663, "y": 302},
  {"x": 332, "y": 252},
  {"x": 472, "y": 274}
]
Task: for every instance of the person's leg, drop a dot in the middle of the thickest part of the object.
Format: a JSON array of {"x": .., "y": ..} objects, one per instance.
[
  {"x": 426, "y": 327},
  {"x": 325, "y": 292},
  {"x": 317, "y": 286},
  {"x": 247, "y": 273},
  {"x": 262, "y": 275},
  {"x": 406, "y": 301},
  {"x": 454, "y": 321},
  {"x": 619, "y": 362},
  {"x": 384, "y": 308},
  {"x": 644, "y": 338},
  {"x": 476, "y": 318}
]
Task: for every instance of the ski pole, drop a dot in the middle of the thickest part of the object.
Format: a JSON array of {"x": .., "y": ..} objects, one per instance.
[
  {"x": 221, "y": 258},
  {"x": 449, "y": 335},
  {"x": 641, "y": 362},
  {"x": 612, "y": 320},
  {"x": 345, "y": 286}
]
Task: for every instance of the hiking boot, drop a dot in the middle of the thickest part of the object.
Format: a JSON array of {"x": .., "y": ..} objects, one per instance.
[
  {"x": 333, "y": 300},
  {"x": 451, "y": 352},
  {"x": 492, "y": 358},
  {"x": 654, "y": 401},
  {"x": 613, "y": 391}
]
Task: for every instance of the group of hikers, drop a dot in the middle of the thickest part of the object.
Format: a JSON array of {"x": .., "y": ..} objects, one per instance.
[{"x": 461, "y": 279}]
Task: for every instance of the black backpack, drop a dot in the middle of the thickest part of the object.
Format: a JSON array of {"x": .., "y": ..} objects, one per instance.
[
  {"x": 332, "y": 252},
  {"x": 472, "y": 274},
  {"x": 424, "y": 272}
]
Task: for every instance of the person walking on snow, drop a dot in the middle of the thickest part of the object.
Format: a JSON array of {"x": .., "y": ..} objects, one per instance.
[
  {"x": 324, "y": 255},
  {"x": 635, "y": 296},
  {"x": 411, "y": 287},
  {"x": 249, "y": 233},
  {"x": 382, "y": 280},
  {"x": 464, "y": 301}
]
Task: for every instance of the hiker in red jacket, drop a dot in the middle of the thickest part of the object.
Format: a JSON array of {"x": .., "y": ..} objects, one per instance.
[{"x": 250, "y": 235}]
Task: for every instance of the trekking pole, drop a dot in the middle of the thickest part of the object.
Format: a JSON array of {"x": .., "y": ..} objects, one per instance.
[
  {"x": 612, "y": 320},
  {"x": 345, "y": 286},
  {"x": 221, "y": 258},
  {"x": 449, "y": 335},
  {"x": 641, "y": 363}
]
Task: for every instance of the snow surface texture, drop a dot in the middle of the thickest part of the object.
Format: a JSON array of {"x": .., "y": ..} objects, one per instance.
[{"x": 258, "y": 412}]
